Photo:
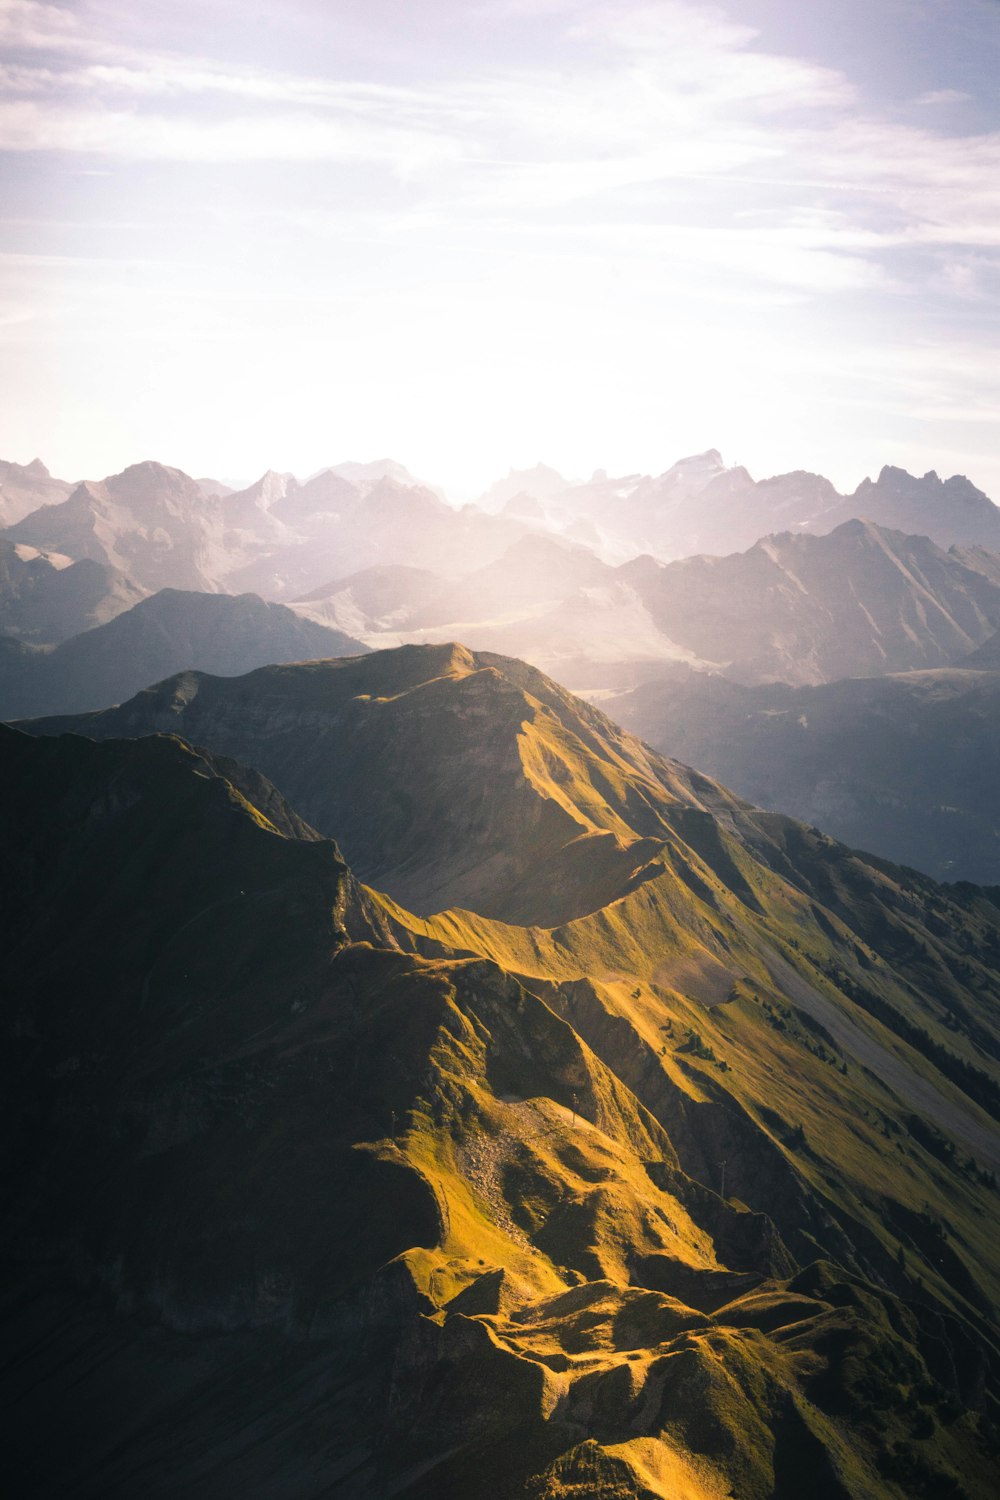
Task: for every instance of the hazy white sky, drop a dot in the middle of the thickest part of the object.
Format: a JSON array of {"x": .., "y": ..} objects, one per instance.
[{"x": 237, "y": 235}]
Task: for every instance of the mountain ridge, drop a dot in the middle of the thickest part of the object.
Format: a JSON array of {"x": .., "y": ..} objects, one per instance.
[{"x": 566, "y": 1296}]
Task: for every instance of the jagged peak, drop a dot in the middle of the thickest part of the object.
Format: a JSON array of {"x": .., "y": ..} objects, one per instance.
[{"x": 710, "y": 459}]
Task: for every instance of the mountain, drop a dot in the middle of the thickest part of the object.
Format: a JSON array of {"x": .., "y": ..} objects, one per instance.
[
  {"x": 861, "y": 601},
  {"x": 161, "y": 635},
  {"x": 798, "y": 608},
  {"x": 535, "y": 572},
  {"x": 24, "y": 487},
  {"x": 151, "y": 522},
  {"x": 276, "y": 537},
  {"x": 986, "y": 658},
  {"x": 361, "y": 475},
  {"x": 699, "y": 505},
  {"x": 690, "y": 1194},
  {"x": 214, "y": 487},
  {"x": 950, "y": 511},
  {"x": 334, "y": 528},
  {"x": 44, "y": 597},
  {"x": 540, "y": 483},
  {"x": 905, "y": 765}
]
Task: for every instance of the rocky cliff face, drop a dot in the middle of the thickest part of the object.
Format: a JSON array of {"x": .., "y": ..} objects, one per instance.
[{"x": 860, "y": 602}]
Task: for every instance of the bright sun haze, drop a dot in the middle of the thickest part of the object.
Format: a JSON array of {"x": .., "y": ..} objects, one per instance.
[{"x": 241, "y": 236}]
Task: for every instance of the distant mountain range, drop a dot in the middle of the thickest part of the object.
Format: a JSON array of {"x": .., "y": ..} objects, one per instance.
[
  {"x": 45, "y": 597},
  {"x": 277, "y": 537},
  {"x": 700, "y": 505},
  {"x": 799, "y": 609},
  {"x": 282, "y": 537},
  {"x": 667, "y": 1165},
  {"x": 861, "y": 601},
  {"x": 160, "y": 635}
]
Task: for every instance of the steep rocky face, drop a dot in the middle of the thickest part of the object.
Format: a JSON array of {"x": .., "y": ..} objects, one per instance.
[
  {"x": 151, "y": 522},
  {"x": 905, "y": 765},
  {"x": 311, "y": 1214},
  {"x": 47, "y": 598},
  {"x": 949, "y": 511},
  {"x": 803, "y": 609},
  {"x": 24, "y": 487},
  {"x": 161, "y": 635}
]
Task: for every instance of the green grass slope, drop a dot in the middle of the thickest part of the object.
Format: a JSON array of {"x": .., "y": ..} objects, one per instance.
[
  {"x": 750, "y": 1066},
  {"x": 292, "y": 1211}
]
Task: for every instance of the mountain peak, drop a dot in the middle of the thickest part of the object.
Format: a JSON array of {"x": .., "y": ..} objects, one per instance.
[{"x": 370, "y": 473}]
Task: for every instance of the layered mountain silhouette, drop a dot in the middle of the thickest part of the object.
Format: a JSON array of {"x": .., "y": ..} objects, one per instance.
[
  {"x": 700, "y": 505},
  {"x": 667, "y": 1192},
  {"x": 151, "y": 522},
  {"x": 156, "y": 637},
  {"x": 862, "y": 601},
  {"x": 278, "y": 537},
  {"x": 45, "y": 597}
]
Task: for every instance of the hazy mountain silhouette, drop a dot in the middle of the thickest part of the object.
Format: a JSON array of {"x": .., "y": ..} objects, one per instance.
[
  {"x": 161, "y": 635},
  {"x": 24, "y": 487},
  {"x": 44, "y": 597}
]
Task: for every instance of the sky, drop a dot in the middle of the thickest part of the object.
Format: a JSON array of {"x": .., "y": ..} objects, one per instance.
[{"x": 476, "y": 234}]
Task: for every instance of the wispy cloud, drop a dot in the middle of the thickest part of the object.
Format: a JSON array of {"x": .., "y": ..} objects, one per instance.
[{"x": 654, "y": 166}]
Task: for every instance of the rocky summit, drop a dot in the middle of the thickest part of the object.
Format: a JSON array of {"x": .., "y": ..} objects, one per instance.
[{"x": 631, "y": 1142}]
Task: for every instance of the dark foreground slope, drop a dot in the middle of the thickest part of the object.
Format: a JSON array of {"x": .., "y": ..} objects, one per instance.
[
  {"x": 329, "y": 1217},
  {"x": 907, "y": 765}
]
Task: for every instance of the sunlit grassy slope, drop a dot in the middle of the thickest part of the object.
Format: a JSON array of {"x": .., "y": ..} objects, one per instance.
[{"x": 665, "y": 1167}]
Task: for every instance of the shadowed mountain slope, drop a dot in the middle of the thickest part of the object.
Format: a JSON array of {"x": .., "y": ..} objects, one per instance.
[
  {"x": 906, "y": 765},
  {"x": 450, "y": 777},
  {"x": 291, "y": 1212},
  {"x": 171, "y": 630},
  {"x": 474, "y": 777}
]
